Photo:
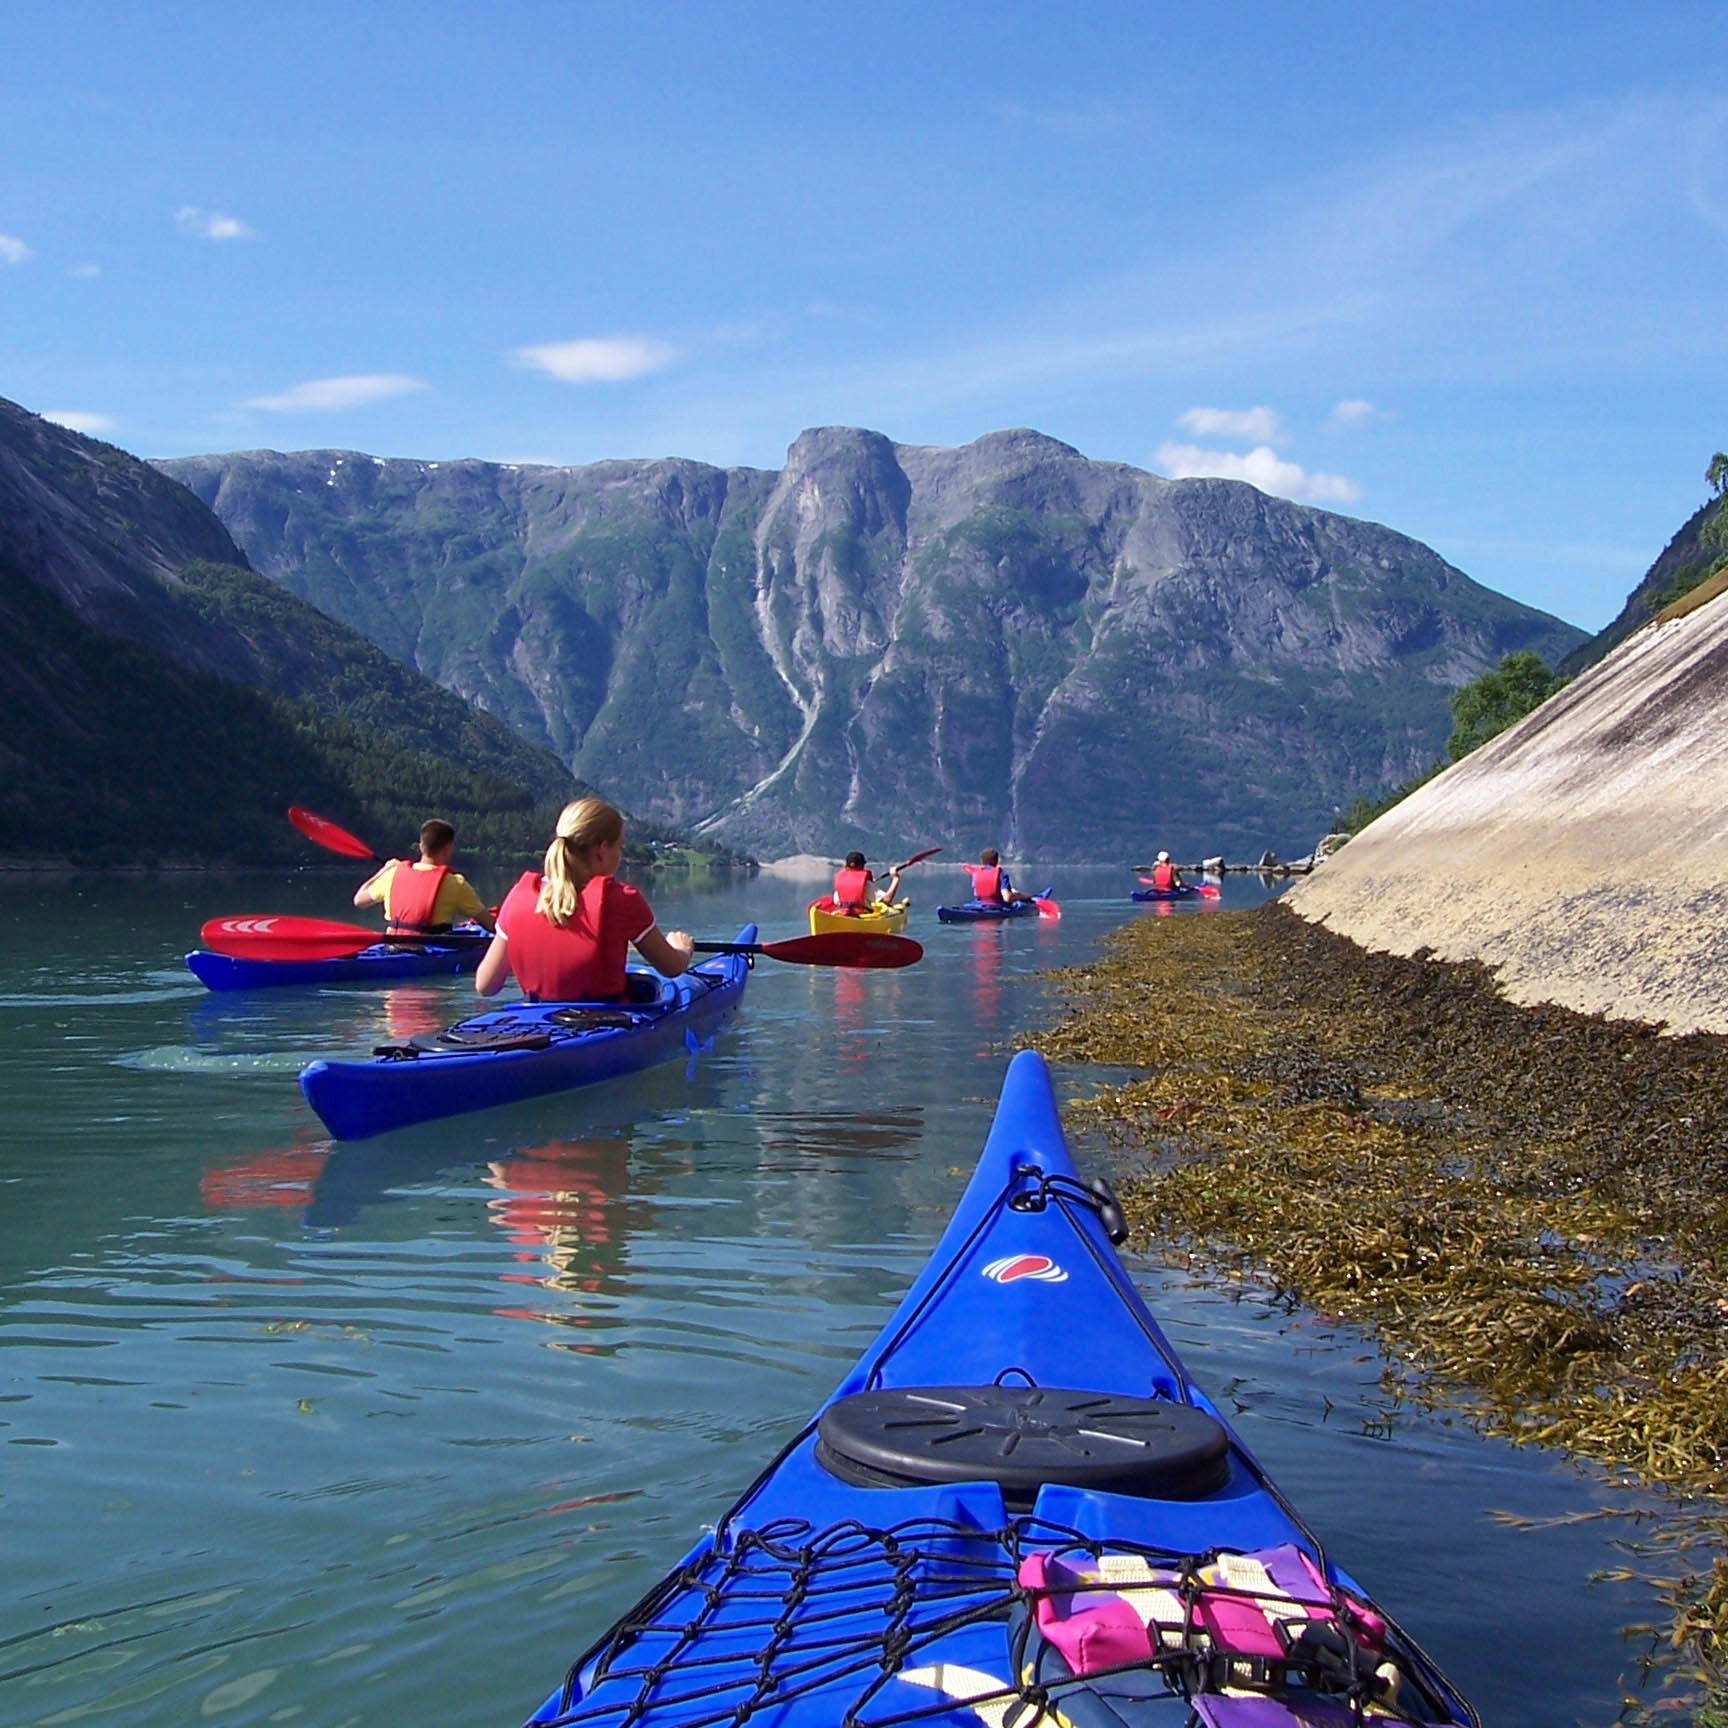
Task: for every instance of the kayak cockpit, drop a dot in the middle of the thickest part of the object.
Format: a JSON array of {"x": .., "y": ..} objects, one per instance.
[
  {"x": 648, "y": 997},
  {"x": 1021, "y": 1438}
]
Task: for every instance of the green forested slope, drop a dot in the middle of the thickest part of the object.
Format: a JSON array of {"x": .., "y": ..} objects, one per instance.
[
  {"x": 160, "y": 701},
  {"x": 111, "y": 753}
]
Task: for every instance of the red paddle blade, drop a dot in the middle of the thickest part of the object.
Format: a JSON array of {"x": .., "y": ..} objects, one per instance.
[
  {"x": 270, "y": 936},
  {"x": 1047, "y": 908},
  {"x": 919, "y": 857},
  {"x": 321, "y": 831},
  {"x": 864, "y": 949},
  {"x": 1211, "y": 890}
]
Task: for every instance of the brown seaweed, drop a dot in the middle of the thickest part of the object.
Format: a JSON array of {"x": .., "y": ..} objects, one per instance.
[{"x": 1528, "y": 1206}]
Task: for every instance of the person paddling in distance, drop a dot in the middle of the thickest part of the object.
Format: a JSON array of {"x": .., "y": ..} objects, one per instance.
[
  {"x": 856, "y": 889},
  {"x": 852, "y": 886},
  {"x": 425, "y": 897},
  {"x": 990, "y": 881},
  {"x": 564, "y": 930},
  {"x": 1165, "y": 875}
]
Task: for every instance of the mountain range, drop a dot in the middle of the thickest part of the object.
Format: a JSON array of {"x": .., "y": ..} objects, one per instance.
[{"x": 885, "y": 645}]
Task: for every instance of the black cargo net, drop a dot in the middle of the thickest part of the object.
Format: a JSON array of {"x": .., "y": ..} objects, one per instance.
[{"x": 873, "y": 1621}]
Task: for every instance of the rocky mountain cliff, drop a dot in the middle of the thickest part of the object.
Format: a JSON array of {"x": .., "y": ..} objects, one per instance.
[
  {"x": 885, "y": 645},
  {"x": 159, "y": 699},
  {"x": 1579, "y": 853}
]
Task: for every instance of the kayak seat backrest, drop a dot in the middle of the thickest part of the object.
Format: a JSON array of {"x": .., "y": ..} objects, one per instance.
[{"x": 1021, "y": 1438}]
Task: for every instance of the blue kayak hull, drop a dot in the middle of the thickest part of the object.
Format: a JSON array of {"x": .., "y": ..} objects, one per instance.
[
  {"x": 832, "y": 1593},
  {"x": 356, "y": 1100},
  {"x": 988, "y": 911},
  {"x": 1185, "y": 892},
  {"x": 382, "y": 963}
]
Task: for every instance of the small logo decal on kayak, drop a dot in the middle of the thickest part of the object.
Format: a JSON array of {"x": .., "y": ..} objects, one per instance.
[{"x": 1014, "y": 1267}]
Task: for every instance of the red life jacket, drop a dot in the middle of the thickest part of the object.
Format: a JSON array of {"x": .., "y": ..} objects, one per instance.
[
  {"x": 851, "y": 890},
  {"x": 986, "y": 881},
  {"x": 1163, "y": 875},
  {"x": 583, "y": 960},
  {"x": 410, "y": 896}
]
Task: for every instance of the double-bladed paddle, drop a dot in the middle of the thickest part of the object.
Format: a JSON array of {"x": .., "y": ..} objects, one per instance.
[
  {"x": 321, "y": 831},
  {"x": 863, "y": 950},
  {"x": 273, "y": 936},
  {"x": 278, "y": 936},
  {"x": 919, "y": 857}
]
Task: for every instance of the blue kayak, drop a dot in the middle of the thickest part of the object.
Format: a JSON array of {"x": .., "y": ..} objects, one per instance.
[
  {"x": 1187, "y": 891},
  {"x": 527, "y": 1049},
  {"x": 989, "y": 911},
  {"x": 1017, "y": 1510},
  {"x": 382, "y": 963}
]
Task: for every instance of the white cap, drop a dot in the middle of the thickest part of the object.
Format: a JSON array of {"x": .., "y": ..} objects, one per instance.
[{"x": 1163, "y": 857}]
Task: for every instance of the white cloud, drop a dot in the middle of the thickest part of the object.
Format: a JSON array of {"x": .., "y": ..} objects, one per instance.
[
  {"x": 76, "y": 420},
  {"x": 13, "y": 250},
  {"x": 597, "y": 359},
  {"x": 351, "y": 392},
  {"x": 85, "y": 270},
  {"x": 1262, "y": 425},
  {"x": 1353, "y": 411},
  {"x": 1262, "y": 467},
  {"x": 210, "y": 224}
]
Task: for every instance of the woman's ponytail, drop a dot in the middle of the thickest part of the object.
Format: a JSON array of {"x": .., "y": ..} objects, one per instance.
[{"x": 569, "y": 862}]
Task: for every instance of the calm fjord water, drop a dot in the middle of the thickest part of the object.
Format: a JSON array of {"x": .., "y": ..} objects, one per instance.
[{"x": 385, "y": 1433}]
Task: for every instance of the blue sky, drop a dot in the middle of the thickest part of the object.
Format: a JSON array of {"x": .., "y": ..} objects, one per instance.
[{"x": 1461, "y": 269}]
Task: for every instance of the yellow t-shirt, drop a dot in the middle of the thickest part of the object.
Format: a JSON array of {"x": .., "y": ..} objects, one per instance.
[{"x": 456, "y": 900}]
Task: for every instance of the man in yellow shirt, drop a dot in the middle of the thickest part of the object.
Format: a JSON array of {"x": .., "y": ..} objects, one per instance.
[{"x": 426, "y": 897}]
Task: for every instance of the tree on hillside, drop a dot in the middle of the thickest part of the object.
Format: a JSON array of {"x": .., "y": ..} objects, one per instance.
[
  {"x": 1488, "y": 704},
  {"x": 1715, "y": 531},
  {"x": 1712, "y": 543}
]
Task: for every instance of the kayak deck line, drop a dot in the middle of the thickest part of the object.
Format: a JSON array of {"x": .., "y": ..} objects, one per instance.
[
  {"x": 990, "y": 911},
  {"x": 384, "y": 962},
  {"x": 1019, "y": 1501},
  {"x": 526, "y": 1050}
]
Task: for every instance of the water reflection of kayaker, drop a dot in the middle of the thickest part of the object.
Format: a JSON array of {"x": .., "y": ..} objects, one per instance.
[
  {"x": 986, "y": 990},
  {"x": 414, "y": 1008},
  {"x": 564, "y": 931},
  {"x": 562, "y": 1204},
  {"x": 990, "y": 881},
  {"x": 853, "y": 1054},
  {"x": 278, "y": 1178},
  {"x": 425, "y": 897}
]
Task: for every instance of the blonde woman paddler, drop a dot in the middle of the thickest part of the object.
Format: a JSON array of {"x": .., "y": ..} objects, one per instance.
[{"x": 564, "y": 930}]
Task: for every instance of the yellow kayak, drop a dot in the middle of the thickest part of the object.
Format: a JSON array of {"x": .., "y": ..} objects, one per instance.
[{"x": 883, "y": 920}]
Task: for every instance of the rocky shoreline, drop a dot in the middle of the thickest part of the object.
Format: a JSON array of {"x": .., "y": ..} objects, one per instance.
[{"x": 1528, "y": 1205}]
